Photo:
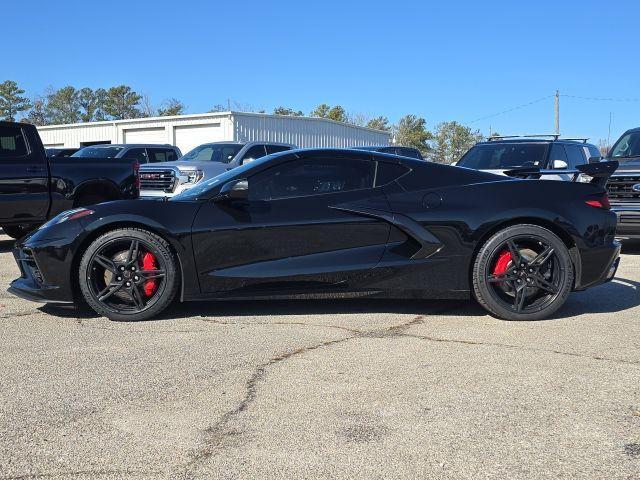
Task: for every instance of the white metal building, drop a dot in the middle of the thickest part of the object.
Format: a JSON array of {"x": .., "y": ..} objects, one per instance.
[{"x": 189, "y": 131}]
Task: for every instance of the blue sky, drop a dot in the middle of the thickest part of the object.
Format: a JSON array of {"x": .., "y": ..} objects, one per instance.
[{"x": 441, "y": 60}]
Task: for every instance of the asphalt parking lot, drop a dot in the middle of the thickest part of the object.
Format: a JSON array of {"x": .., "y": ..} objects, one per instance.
[{"x": 323, "y": 389}]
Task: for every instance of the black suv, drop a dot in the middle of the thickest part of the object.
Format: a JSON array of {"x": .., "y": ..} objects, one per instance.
[
  {"x": 624, "y": 184},
  {"x": 499, "y": 154}
]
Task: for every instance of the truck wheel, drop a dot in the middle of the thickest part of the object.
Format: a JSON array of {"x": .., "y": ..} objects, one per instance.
[
  {"x": 18, "y": 231},
  {"x": 128, "y": 274},
  {"x": 523, "y": 272}
]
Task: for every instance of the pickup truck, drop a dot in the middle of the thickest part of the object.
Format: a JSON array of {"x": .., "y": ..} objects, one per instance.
[
  {"x": 206, "y": 161},
  {"x": 35, "y": 188},
  {"x": 624, "y": 185}
]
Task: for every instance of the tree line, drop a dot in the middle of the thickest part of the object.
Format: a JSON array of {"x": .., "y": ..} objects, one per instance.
[
  {"x": 445, "y": 143},
  {"x": 74, "y": 105}
]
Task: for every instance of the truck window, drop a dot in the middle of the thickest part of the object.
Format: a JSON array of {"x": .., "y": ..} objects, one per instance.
[
  {"x": 138, "y": 154},
  {"x": 574, "y": 154},
  {"x": 255, "y": 152},
  {"x": 557, "y": 153},
  {"x": 276, "y": 148},
  {"x": 157, "y": 155},
  {"x": 12, "y": 142}
]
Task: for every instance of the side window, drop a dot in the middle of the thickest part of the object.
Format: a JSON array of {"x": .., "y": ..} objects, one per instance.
[
  {"x": 575, "y": 156},
  {"x": 12, "y": 143},
  {"x": 592, "y": 151},
  {"x": 276, "y": 148},
  {"x": 557, "y": 153},
  {"x": 388, "y": 172},
  {"x": 302, "y": 178},
  {"x": 255, "y": 152},
  {"x": 139, "y": 154},
  {"x": 157, "y": 155}
]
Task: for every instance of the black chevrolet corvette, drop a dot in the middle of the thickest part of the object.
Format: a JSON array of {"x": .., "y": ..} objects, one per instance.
[{"x": 326, "y": 223}]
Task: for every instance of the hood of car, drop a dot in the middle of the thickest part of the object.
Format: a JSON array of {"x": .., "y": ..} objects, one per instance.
[
  {"x": 630, "y": 165},
  {"x": 207, "y": 167}
]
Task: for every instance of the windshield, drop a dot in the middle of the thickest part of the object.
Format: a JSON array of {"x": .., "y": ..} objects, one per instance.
[
  {"x": 98, "y": 152},
  {"x": 203, "y": 187},
  {"x": 627, "y": 146},
  {"x": 501, "y": 156},
  {"x": 213, "y": 152}
]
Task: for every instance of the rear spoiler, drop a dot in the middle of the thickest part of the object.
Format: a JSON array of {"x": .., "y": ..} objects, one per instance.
[{"x": 600, "y": 172}]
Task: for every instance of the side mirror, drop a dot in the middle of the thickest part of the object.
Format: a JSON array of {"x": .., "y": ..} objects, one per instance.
[
  {"x": 234, "y": 190},
  {"x": 594, "y": 159},
  {"x": 560, "y": 165}
]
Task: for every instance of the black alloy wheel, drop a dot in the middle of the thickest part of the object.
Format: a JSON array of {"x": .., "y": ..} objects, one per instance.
[
  {"x": 128, "y": 274},
  {"x": 524, "y": 272}
]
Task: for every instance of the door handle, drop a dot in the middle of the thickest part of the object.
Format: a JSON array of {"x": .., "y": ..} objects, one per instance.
[{"x": 35, "y": 169}]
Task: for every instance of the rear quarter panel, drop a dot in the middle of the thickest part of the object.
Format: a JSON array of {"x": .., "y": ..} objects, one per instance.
[{"x": 462, "y": 208}]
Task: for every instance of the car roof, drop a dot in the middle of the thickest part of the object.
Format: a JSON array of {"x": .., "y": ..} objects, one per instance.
[
  {"x": 375, "y": 148},
  {"x": 534, "y": 140},
  {"x": 134, "y": 145},
  {"x": 354, "y": 152}
]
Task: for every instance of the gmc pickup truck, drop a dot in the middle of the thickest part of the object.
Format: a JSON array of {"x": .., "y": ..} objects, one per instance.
[
  {"x": 624, "y": 185},
  {"x": 35, "y": 188}
]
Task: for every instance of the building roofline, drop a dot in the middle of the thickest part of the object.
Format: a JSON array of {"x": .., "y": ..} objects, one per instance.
[
  {"x": 304, "y": 117},
  {"x": 191, "y": 116},
  {"x": 137, "y": 120}
]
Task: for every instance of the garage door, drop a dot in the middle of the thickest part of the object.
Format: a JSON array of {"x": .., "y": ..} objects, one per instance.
[
  {"x": 146, "y": 135},
  {"x": 190, "y": 136}
]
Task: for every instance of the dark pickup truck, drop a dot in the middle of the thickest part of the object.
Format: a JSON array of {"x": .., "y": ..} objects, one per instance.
[
  {"x": 35, "y": 188},
  {"x": 624, "y": 185}
]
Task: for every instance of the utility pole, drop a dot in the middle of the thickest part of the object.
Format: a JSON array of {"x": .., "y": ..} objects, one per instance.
[{"x": 557, "y": 112}]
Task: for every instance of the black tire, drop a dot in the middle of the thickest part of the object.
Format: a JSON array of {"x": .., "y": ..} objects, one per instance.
[
  {"x": 532, "y": 292},
  {"x": 18, "y": 231},
  {"x": 119, "y": 295}
]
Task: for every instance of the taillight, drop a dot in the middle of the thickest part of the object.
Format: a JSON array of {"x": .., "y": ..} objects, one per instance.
[
  {"x": 136, "y": 174},
  {"x": 601, "y": 201}
]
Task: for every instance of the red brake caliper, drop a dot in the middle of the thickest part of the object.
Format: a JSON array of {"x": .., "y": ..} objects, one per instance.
[
  {"x": 149, "y": 263},
  {"x": 502, "y": 263}
]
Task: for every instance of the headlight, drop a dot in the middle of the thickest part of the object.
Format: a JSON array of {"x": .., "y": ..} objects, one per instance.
[
  {"x": 190, "y": 176},
  {"x": 68, "y": 215}
]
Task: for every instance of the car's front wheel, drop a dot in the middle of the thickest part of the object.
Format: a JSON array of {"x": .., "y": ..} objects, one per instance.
[
  {"x": 128, "y": 274},
  {"x": 523, "y": 272}
]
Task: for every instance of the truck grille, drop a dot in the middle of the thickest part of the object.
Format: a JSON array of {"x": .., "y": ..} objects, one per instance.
[
  {"x": 157, "y": 180},
  {"x": 622, "y": 187}
]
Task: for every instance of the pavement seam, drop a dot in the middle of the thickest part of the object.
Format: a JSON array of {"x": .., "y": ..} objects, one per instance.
[{"x": 517, "y": 347}]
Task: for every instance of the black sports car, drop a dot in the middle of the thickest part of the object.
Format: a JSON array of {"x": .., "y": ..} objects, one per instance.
[{"x": 326, "y": 223}]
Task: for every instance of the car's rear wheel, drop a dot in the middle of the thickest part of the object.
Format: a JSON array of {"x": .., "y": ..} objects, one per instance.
[
  {"x": 128, "y": 275},
  {"x": 523, "y": 272}
]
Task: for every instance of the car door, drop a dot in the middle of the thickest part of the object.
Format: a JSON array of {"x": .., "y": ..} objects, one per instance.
[
  {"x": 24, "y": 178},
  {"x": 304, "y": 227}
]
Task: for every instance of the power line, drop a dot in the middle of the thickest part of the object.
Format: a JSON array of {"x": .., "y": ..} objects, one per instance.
[
  {"x": 602, "y": 99},
  {"x": 512, "y": 109}
]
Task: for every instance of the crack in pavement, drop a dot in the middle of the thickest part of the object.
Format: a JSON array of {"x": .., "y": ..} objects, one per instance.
[
  {"x": 519, "y": 347},
  {"x": 216, "y": 433}
]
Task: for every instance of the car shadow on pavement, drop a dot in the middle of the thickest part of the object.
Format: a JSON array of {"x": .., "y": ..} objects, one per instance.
[
  {"x": 6, "y": 246},
  {"x": 631, "y": 247},
  {"x": 618, "y": 295}
]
